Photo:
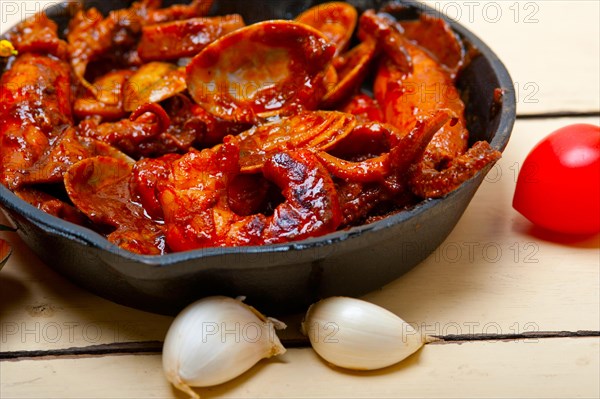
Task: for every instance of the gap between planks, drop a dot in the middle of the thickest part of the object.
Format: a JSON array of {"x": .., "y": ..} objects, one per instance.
[{"x": 153, "y": 347}]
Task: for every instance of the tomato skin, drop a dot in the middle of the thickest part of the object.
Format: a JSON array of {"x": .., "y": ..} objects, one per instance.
[{"x": 558, "y": 187}]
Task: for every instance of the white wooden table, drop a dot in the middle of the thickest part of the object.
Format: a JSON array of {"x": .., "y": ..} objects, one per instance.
[{"x": 526, "y": 306}]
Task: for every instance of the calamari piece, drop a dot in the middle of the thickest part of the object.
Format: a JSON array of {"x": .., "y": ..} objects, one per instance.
[
  {"x": 173, "y": 40},
  {"x": 196, "y": 8},
  {"x": 435, "y": 35},
  {"x": 351, "y": 71},
  {"x": 92, "y": 37},
  {"x": 429, "y": 182},
  {"x": 99, "y": 187},
  {"x": 266, "y": 69},
  {"x": 364, "y": 108},
  {"x": 311, "y": 206},
  {"x": 51, "y": 205},
  {"x": 108, "y": 103},
  {"x": 147, "y": 122},
  {"x": 336, "y": 20},
  {"x": 409, "y": 148},
  {"x": 215, "y": 129},
  {"x": 35, "y": 96},
  {"x": 357, "y": 200},
  {"x": 389, "y": 38},
  {"x": 372, "y": 169},
  {"x": 190, "y": 126},
  {"x": 153, "y": 83},
  {"x": 37, "y": 34},
  {"x": 315, "y": 129},
  {"x": 186, "y": 129},
  {"x": 403, "y": 150},
  {"x": 377, "y": 177}
]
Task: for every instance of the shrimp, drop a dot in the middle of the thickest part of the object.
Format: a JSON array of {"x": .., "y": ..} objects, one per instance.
[
  {"x": 147, "y": 122},
  {"x": 311, "y": 207},
  {"x": 35, "y": 98},
  {"x": 408, "y": 96}
]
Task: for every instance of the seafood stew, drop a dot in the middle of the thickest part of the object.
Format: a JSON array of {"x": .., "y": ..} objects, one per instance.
[{"x": 168, "y": 130}]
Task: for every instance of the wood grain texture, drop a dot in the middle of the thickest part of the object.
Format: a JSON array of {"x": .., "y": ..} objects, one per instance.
[{"x": 547, "y": 368}]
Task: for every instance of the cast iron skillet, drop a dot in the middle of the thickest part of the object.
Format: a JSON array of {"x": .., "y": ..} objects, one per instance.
[{"x": 279, "y": 278}]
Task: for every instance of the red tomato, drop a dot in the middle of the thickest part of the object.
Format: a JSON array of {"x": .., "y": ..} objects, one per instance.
[{"x": 559, "y": 184}]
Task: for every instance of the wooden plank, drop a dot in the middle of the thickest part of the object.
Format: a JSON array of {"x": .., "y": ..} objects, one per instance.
[
  {"x": 550, "y": 368},
  {"x": 551, "y": 48},
  {"x": 493, "y": 275}
]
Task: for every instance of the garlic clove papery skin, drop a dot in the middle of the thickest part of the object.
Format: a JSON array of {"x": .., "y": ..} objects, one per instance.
[
  {"x": 359, "y": 335},
  {"x": 215, "y": 340}
]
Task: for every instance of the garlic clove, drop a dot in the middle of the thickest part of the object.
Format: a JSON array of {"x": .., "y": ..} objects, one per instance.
[
  {"x": 215, "y": 340},
  {"x": 359, "y": 335}
]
